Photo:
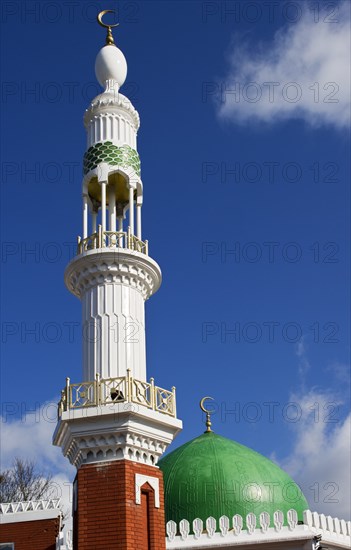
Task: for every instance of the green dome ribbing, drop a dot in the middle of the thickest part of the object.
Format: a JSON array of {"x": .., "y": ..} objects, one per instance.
[{"x": 214, "y": 476}]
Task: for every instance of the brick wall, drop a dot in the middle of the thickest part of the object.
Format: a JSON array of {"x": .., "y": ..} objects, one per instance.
[
  {"x": 107, "y": 516},
  {"x": 31, "y": 535}
]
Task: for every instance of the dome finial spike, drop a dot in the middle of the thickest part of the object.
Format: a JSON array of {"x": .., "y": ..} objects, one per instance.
[
  {"x": 109, "y": 38},
  {"x": 208, "y": 413}
]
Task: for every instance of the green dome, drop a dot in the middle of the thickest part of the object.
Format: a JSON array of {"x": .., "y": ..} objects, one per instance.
[{"x": 214, "y": 476}]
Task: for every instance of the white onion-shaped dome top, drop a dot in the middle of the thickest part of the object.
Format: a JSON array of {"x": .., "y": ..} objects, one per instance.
[{"x": 110, "y": 64}]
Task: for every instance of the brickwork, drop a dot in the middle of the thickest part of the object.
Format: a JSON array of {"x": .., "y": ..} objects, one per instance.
[
  {"x": 31, "y": 535},
  {"x": 107, "y": 516}
]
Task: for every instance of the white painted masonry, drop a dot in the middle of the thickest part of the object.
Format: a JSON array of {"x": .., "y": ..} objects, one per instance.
[{"x": 140, "y": 480}]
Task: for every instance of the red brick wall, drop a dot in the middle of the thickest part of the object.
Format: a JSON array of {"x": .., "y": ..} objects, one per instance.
[
  {"x": 31, "y": 535},
  {"x": 107, "y": 515}
]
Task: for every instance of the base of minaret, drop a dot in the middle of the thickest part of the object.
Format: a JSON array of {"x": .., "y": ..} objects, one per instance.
[
  {"x": 118, "y": 499},
  {"x": 118, "y": 504}
]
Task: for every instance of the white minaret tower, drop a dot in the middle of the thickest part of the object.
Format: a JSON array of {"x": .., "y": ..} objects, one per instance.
[
  {"x": 115, "y": 415},
  {"x": 113, "y": 274}
]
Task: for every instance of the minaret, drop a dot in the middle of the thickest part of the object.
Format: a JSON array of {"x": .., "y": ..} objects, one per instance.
[{"x": 115, "y": 424}]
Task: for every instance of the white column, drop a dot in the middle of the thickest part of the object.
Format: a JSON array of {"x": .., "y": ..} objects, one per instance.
[
  {"x": 138, "y": 209},
  {"x": 103, "y": 205},
  {"x": 112, "y": 207},
  {"x": 120, "y": 229},
  {"x": 100, "y": 129},
  {"x": 106, "y": 308},
  {"x": 131, "y": 210},
  {"x": 93, "y": 221},
  {"x": 85, "y": 216}
]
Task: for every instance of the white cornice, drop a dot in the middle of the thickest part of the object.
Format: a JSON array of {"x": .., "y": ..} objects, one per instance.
[
  {"x": 122, "y": 431},
  {"x": 110, "y": 102},
  {"x": 118, "y": 265}
]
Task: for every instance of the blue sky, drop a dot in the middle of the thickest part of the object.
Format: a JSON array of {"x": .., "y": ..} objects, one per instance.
[{"x": 244, "y": 145}]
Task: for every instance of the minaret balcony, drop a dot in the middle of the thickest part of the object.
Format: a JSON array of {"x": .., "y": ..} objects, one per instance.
[
  {"x": 111, "y": 391},
  {"x": 112, "y": 239}
]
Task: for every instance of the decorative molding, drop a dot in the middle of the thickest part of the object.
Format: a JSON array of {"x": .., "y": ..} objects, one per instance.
[
  {"x": 109, "y": 102},
  {"x": 123, "y": 431},
  {"x": 31, "y": 510},
  {"x": 115, "y": 266},
  {"x": 140, "y": 480},
  {"x": 104, "y": 170},
  {"x": 115, "y": 445},
  {"x": 30, "y": 506},
  {"x": 184, "y": 535}
]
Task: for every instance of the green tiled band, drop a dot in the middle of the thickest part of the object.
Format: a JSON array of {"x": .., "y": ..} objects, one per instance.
[{"x": 116, "y": 156}]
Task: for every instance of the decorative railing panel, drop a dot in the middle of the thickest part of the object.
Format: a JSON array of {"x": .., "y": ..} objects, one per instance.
[
  {"x": 142, "y": 392},
  {"x": 81, "y": 395},
  {"x": 164, "y": 401},
  {"x": 112, "y": 239},
  {"x": 113, "y": 390},
  {"x": 124, "y": 389}
]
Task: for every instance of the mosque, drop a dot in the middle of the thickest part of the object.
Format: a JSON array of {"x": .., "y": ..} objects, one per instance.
[{"x": 115, "y": 426}]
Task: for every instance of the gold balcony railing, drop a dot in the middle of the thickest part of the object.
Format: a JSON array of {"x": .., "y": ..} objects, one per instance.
[
  {"x": 108, "y": 391},
  {"x": 112, "y": 239}
]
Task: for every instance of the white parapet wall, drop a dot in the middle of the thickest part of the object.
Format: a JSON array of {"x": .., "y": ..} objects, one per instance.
[
  {"x": 33, "y": 510},
  {"x": 226, "y": 533},
  {"x": 36, "y": 510},
  {"x": 230, "y": 533},
  {"x": 334, "y": 531}
]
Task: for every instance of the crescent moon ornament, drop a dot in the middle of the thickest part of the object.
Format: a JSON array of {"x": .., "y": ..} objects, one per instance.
[
  {"x": 208, "y": 413},
  {"x": 202, "y": 404},
  {"x": 109, "y": 38},
  {"x": 100, "y": 21}
]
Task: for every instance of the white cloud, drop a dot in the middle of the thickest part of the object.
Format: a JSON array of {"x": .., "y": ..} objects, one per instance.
[
  {"x": 314, "y": 57},
  {"x": 341, "y": 371},
  {"x": 30, "y": 437},
  {"x": 63, "y": 489},
  {"x": 320, "y": 458},
  {"x": 304, "y": 364}
]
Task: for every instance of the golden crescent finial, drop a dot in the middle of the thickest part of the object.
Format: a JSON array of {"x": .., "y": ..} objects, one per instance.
[
  {"x": 100, "y": 21},
  {"x": 109, "y": 38},
  {"x": 208, "y": 413}
]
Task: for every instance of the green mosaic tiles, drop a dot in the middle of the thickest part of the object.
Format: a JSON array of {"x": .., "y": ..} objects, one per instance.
[{"x": 115, "y": 156}]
